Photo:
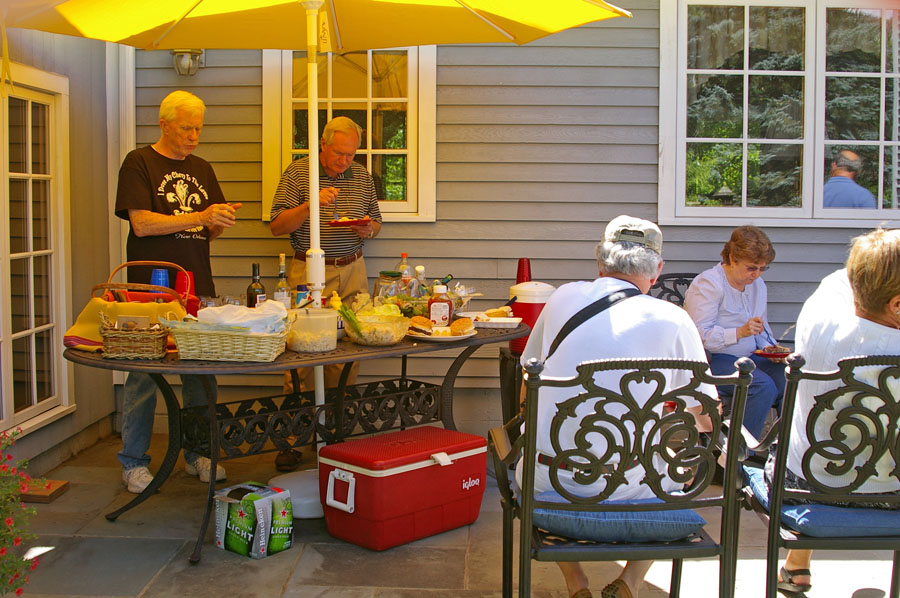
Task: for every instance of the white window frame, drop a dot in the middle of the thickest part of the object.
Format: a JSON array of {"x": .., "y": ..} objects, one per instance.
[
  {"x": 673, "y": 123},
  {"x": 277, "y": 134},
  {"x": 53, "y": 89}
]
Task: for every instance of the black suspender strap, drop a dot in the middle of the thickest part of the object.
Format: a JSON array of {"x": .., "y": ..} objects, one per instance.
[{"x": 589, "y": 312}]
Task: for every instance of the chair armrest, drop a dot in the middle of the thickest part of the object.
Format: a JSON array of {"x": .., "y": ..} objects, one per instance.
[{"x": 763, "y": 444}]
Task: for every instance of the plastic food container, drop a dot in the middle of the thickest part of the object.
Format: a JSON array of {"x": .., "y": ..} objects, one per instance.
[
  {"x": 312, "y": 330},
  {"x": 378, "y": 330}
]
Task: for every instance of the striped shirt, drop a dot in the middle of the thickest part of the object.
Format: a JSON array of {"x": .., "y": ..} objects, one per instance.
[{"x": 355, "y": 200}]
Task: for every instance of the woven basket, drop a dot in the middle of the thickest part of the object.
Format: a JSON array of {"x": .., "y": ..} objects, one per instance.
[
  {"x": 142, "y": 343},
  {"x": 214, "y": 345}
]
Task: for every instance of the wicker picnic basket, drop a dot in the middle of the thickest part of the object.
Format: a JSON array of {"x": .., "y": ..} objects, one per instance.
[
  {"x": 216, "y": 345},
  {"x": 139, "y": 343}
]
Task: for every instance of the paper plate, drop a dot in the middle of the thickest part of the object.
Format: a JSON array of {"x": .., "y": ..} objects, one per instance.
[
  {"x": 440, "y": 339},
  {"x": 349, "y": 222}
]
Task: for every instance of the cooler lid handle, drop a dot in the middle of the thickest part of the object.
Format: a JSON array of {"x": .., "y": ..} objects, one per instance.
[{"x": 442, "y": 459}]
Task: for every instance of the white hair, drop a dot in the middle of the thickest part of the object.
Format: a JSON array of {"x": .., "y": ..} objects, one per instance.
[{"x": 632, "y": 259}]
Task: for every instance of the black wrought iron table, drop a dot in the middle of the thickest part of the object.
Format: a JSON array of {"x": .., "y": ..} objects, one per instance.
[{"x": 251, "y": 426}]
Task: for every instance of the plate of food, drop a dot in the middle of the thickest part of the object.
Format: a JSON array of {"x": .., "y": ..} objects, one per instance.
[
  {"x": 422, "y": 328},
  {"x": 349, "y": 221},
  {"x": 492, "y": 318},
  {"x": 776, "y": 352}
]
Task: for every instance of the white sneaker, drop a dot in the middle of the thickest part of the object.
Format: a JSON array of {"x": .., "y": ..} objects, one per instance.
[
  {"x": 200, "y": 467},
  {"x": 138, "y": 478}
]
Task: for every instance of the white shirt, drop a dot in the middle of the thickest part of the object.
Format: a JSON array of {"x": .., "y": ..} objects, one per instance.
[
  {"x": 637, "y": 327},
  {"x": 718, "y": 309},
  {"x": 829, "y": 330}
]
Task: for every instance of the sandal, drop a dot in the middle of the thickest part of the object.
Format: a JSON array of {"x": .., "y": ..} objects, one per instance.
[
  {"x": 787, "y": 585},
  {"x": 617, "y": 589},
  {"x": 288, "y": 460}
]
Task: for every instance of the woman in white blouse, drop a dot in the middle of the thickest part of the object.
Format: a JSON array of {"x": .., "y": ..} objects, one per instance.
[{"x": 728, "y": 305}]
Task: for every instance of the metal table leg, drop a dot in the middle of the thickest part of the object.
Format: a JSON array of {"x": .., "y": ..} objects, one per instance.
[
  {"x": 447, "y": 387},
  {"x": 213, "y": 463},
  {"x": 168, "y": 464}
]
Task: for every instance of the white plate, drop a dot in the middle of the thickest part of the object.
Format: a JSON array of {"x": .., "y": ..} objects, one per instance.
[
  {"x": 490, "y": 322},
  {"x": 440, "y": 339}
]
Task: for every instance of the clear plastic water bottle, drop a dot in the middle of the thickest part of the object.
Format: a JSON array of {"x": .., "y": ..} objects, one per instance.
[{"x": 407, "y": 275}]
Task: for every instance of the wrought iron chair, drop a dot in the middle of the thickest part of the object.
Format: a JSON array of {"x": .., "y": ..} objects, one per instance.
[
  {"x": 861, "y": 412},
  {"x": 663, "y": 444},
  {"x": 672, "y": 287}
]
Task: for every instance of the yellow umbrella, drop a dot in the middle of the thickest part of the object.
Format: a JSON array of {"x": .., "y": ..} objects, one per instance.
[{"x": 279, "y": 24}]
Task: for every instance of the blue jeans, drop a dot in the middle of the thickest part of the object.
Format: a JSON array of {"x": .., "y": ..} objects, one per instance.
[
  {"x": 139, "y": 407},
  {"x": 766, "y": 389}
]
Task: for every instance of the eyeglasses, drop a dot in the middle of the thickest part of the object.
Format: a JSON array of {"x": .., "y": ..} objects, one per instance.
[{"x": 752, "y": 269}]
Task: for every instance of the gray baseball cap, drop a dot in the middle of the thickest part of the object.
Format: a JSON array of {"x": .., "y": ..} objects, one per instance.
[{"x": 634, "y": 230}]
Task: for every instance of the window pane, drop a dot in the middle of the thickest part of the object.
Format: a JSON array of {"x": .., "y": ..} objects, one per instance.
[
  {"x": 18, "y": 120},
  {"x": 18, "y": 273},
  {"x": 22, "y": 373},
  {"x": 18, "y": 216},
  {"x": 891, "y": 107},
  {"x": 868, "y": 156},
  {"x": 43, "y": 348},
  {"x": 852, "y": 107},
  {"x": 301, "y": 130},
  {"x": 713, "y": 176},
  {"x": 389, "y": 174},
  {"x": 715, "y": 37},
  {"x": 41, "y": 290},
  {"x": 356, "y": 113},
  {"x": 714, "y": 105},
  {"x": 389, "y": 126},
  {"x": 853, "y": 42},
  {"x": 892, "y": 58},
  {"x": 389, "y": 74},
  {"x": 776, "y": 39},
  {"x": 40, "y": 138},
  {"x": 350, "y": 78},
  {"x": 300, "y": 87},
  {"x": 891, "y": 178},
  {"x": 40, "y": 215},
  {"x": 776, "y": 107},
  {"x": 774, "y": 175}
]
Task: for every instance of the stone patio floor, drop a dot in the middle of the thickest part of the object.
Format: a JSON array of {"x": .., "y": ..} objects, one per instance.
[{"x": 145, "y": 552}]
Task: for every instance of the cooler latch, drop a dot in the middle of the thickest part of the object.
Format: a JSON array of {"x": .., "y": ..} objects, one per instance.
[
  {"x": 344, "y": 476},
  {"x": 442, "y": 459}
]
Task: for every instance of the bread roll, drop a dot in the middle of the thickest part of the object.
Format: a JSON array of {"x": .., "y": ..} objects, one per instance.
[
  {"x": 420, "y": 325},
  {"x": 500, "y": 312},
  {"x": 462, "y": 327}
]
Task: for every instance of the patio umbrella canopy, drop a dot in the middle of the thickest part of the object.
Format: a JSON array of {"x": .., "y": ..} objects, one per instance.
[{"x": 280, "y": 24}]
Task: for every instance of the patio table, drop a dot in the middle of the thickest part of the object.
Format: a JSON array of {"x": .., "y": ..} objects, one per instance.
[{"x": 228, "y": 427}]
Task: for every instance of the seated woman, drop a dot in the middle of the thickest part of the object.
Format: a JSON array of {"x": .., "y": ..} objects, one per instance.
[
  {"x": 830, "y": 328},
  {"x": 728, "y": 305}
]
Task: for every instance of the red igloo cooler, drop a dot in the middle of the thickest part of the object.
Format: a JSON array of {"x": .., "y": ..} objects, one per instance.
[{"x": 397, "y": 487}]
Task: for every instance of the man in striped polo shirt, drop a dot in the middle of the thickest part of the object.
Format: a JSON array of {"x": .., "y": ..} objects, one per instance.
[{"x": 345, "y": 188}]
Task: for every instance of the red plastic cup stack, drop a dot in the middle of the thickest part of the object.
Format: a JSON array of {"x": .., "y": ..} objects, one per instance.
[
  {"x": 523, "y": 272},
  {"x": 181, "y": 283}
]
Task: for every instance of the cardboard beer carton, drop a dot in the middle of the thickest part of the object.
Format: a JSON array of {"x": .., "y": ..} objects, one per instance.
[{"x": 253, "y": 519}]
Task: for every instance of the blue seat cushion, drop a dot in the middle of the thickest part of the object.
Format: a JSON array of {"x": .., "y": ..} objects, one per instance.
[
  {"x": 617, "y": 526},
  {"x": 827, "y": 521}
]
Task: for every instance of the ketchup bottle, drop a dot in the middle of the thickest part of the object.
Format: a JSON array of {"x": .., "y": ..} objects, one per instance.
[{"x": 440, "y": 306}]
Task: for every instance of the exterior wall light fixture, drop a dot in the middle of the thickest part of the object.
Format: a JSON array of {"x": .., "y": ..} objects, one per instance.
[{"x": 187, "y": 62}]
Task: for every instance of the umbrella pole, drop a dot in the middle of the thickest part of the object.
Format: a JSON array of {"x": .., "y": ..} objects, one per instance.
[{"x": 305, "y": 492}]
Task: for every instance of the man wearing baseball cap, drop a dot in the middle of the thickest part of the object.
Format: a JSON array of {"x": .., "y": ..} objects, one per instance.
[{"x": 629, "y": 260}]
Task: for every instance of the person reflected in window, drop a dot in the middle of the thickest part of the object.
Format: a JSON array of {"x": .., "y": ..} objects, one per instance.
[
  {"x": 841, "y": 189},
  {"x": 728, "y": 306}
]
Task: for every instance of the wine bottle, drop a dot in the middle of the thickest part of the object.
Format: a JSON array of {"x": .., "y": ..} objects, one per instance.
[
  {"x": 282, "y": 292},
  {"x": 256, "y": 292}
]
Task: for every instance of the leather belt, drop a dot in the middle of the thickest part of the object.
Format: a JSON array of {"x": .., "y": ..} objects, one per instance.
[
  {"x": 333, "y": 261},
  {"x": 604, "y": 469}
]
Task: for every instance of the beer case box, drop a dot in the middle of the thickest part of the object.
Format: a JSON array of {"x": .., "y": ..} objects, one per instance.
[
  {"x": 393, "y": 488},
  {"x": 253, "y": 519}
]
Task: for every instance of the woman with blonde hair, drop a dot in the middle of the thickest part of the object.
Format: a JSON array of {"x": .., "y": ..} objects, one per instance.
[{"x": 728, "y": 306}]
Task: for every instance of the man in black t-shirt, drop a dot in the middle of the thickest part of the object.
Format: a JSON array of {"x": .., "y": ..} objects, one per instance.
[{"x": 175, "y": 206}]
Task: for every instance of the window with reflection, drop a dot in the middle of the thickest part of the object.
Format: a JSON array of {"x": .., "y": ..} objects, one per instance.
[
  {"x": 372, "y": 88},
  {"x": 29, "y": 330},
  {"x": 787, "y": 111}
]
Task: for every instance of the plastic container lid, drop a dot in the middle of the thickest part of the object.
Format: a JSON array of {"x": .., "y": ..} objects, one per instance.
[
  {"x": 531, "y": 291},
  {"x": 439, "y": 289}
]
